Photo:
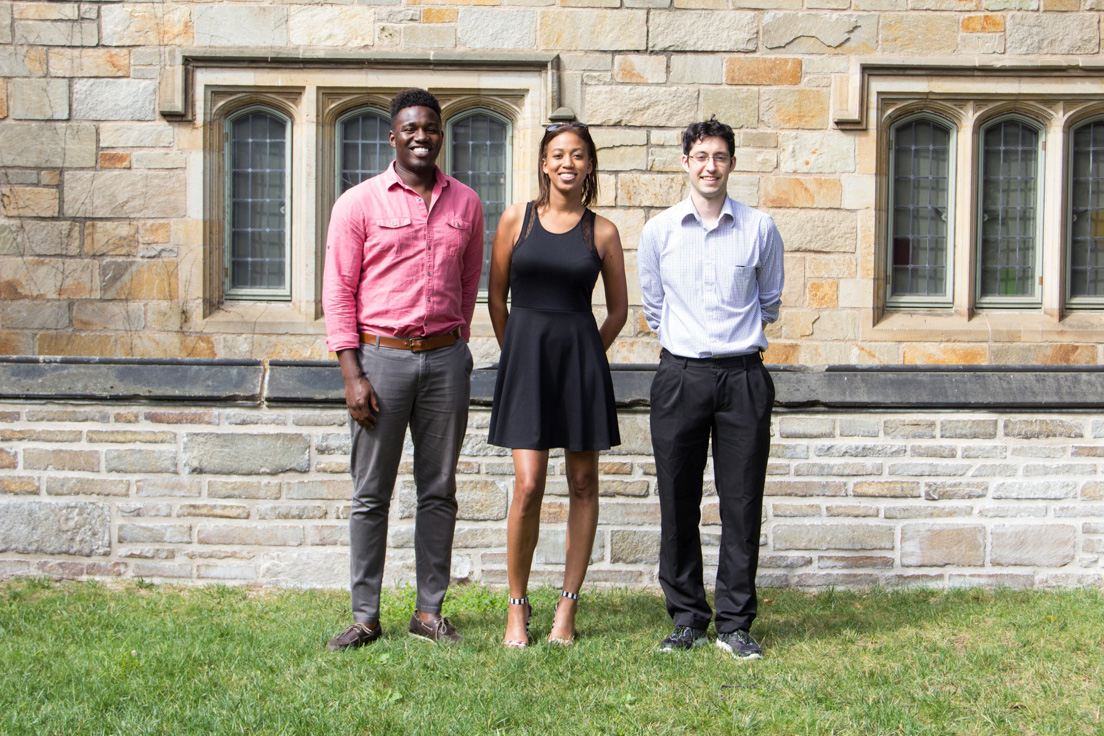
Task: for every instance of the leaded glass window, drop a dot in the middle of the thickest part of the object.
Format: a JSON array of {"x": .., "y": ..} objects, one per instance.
[
  {"x": 479, "y": 156},
  {"x": 921, "y": 217},
  {"x": 1086, "y": 217},
  {"x": 1009, "y": 211},
  {"x": 257, "y": 204},
  {"x": 364, "y": 148}
]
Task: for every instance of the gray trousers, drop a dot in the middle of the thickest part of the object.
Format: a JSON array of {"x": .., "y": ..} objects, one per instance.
[{"x": 428, "y": 392}]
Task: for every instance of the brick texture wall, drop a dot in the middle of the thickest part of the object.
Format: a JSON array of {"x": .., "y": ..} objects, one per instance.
[{"x": 260, "y": 495}]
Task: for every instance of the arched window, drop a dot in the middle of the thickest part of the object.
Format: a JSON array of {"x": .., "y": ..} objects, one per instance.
[
  {"x": 1009, "y": 212},
  {"x": 258, "y": 204},
  {"x": 363, "y": 148},
  {"x": 921, "y": 216},
  {"x": 1085, "y": 245},
  {"x": 479, "y": 156}
]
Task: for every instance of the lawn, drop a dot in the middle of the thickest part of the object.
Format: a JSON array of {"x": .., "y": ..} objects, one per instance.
[{"x": 87, "y": 658}]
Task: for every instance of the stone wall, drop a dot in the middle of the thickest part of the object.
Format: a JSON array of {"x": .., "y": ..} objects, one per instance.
[
  {"x": 249, "y": 491},
  {"x": 105, "y": 244}
]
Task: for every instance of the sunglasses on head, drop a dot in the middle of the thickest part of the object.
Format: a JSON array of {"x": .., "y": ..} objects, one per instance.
[{"x": 557, "y": 126}]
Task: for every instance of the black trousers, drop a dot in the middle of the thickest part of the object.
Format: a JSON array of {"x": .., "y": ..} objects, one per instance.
[{"x": 730, "y": 400}]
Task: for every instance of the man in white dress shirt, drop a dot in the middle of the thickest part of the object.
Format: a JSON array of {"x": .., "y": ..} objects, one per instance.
[{"x": 711, "y": 278}]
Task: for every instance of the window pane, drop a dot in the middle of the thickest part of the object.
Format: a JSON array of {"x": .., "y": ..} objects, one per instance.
[
  {"x": 258, "y": 183},
  {"x": 1086, "y": 246},
  {"x": 1009, "y": 180},
  {"x": 365, "y": 150},
  {"x": 480, "y": 158},
  {"x": 920, "y": 198}
]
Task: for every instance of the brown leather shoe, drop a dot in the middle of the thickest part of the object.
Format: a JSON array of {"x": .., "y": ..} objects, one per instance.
[
  {"x": 356, "y": 635},
  {"x": 438, "y": 629}
]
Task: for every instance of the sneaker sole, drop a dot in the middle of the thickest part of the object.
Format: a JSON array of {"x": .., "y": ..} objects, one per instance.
[{"x": 724, "y": 647}]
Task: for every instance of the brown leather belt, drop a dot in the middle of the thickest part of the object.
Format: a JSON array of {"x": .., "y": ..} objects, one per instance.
[{"x": 413, "y": 344}]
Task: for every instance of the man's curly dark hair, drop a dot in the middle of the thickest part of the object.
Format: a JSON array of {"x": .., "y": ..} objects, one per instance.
[
  {"x": 414, "y": 97},
  {"x": 711, "y": 128}
]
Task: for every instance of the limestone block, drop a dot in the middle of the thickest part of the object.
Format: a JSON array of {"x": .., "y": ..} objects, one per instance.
[
  {"x": 158, "y": 160},
  {"x": 816, "y": 153},
  {"x": 638, "y": 105},
  {"x": 813, "y": 231},
  {"x": 794, "y": 108},
  {"x": 981, "y": 43},
  {"x": 587, "y": 30},
  {"x": 552, "y": 548},
  {"x": 89, "y": 63},
  {"x": 640, "y": 69},
  {"x": 1061, "y": 354},
  {"x": 143, "y": 194},
  {"x": 246, "y": 454},
  {"x": 38, "y": 99},
  {"x": 686, "y": 30},
  {"x": 1053, "y": 33},
  {"x": 70, "y": 528},
  {"x": 440, "y": 15},
  {"x": 623, "y": 158},
  {"x": 959, "y": 5},
  {"x": 28, "y": 202},
  {"x": 34, "y": 315},
  {"x": 141, "y": 24},
  {"x": 984, "y": 23},
  {"x": 21, "y": 62},
  {"x": 935, "y": 354},
  {"x": 650, "y": 190},
  {"x": 809, "y": 191},
  {"x": 744, "y": 189},
  {"x": 938, "y": 545},
  {"x": 919, "y": 33},
  {"x": 3, "y": 98},
  {"x": 1047, "y": 489},
  {"x": 431, "y": 36},
  {"x": 307, "y": 568},
  {"x": 56, "y": 33},
  {"x": 757, "y": 70},
  {"x": 252, "y": 534},
  {"x": 241, "y": 25},
  {"x": 1041, "y": 545},
  {"x": 47, "y": 145},
  {"x": 696, "y": 69},
  {"x": 5, "y": 24},
  {"x": 821, "y": 33},
  {"x": 497, "y": 28},
  {"x": 664, "y": 159},
  {"x": 111, "y": 238},
  {"x": 46, "y": 238},
  {"x": 736, "y": 107},
  {"x": 328, "y": 26},
  {"x": 114, "y": 99},
  {"x": 136, "y": 135},
  {"x": 1041, "y": 428},
  {"x": 832, "y": 536}
]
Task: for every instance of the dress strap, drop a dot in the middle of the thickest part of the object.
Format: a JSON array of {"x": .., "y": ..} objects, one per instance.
[{"x": 527, "y": 223}]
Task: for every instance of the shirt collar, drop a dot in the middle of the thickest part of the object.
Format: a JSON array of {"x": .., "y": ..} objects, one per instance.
[
  {"x": 391, "y": 177},
  {"x": 686, "y": 209}
]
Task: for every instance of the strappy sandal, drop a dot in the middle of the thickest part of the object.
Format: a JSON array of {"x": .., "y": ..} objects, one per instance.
[
  {"x": 558, "y": 640},
  {"x": 517, "y": 643}
]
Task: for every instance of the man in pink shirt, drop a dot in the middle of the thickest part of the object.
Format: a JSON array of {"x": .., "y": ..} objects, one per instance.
[{"x": 403, "y": 256}]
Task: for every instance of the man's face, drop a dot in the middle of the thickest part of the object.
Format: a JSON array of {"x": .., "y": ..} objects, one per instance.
[
  {"x": 708, "y": 164},
  {"x": 416, "y": 137}
]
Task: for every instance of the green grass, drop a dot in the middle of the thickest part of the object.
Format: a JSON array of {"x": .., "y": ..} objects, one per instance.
[{"x": 85, "y": 658}]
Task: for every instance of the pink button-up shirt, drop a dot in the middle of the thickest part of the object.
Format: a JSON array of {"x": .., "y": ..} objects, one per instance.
[{"x": 395, "y": 268}]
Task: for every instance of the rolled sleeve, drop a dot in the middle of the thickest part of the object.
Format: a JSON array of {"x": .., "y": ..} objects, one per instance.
[
  {"x": 342, "y": 274},
  {"x": 771, "y": 273}
]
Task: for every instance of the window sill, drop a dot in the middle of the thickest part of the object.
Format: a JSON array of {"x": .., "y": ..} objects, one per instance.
[
  {"x": 266, "y": 318},
  {"x": 991, "y": 326}
]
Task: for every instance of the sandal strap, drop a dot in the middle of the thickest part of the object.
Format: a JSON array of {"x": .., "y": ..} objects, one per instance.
[
  {"x": 572, "y": 596},
  {"x": 517, "y": 601}
]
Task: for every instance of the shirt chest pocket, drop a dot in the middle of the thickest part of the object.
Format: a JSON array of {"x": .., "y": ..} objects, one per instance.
[
  {"x": 456, "y": 234},
  {"x": 742, "y": 284}
]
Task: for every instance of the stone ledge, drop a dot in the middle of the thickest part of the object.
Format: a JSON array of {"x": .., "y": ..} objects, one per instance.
[
  {"x": 122, "y": 379},
  {"x": 319, "y": 382}
]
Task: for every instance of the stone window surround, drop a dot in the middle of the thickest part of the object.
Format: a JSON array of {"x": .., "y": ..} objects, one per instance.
[
  {"x": 1058, "y": 94},
  {"x": 203, "y": 88}
]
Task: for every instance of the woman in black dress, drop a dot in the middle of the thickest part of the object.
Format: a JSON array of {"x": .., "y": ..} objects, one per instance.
[{"x": 554, "y": 387}]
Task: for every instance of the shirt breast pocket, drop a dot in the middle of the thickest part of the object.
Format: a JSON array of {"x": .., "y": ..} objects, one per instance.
[
  {"x": 457, "y": 233},
  {"x": 743, "y": 284}
]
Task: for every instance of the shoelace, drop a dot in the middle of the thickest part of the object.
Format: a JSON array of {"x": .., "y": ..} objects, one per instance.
[{"x": 440, "y": 626}]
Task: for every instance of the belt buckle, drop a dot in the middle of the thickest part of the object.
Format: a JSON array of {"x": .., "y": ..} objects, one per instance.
[{"x": 418, "y": 344}]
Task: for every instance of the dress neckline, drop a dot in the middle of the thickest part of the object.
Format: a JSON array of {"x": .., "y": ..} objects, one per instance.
[{"x": 536, "y": 216}]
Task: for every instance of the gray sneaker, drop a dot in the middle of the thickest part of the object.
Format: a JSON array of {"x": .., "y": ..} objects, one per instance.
[
  {"x": 683, "y": 637},
  {"x": 740, "y": 644}
]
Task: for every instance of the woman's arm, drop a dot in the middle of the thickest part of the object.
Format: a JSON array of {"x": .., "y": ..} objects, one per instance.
[
  {"x": 608, "y": 242},
  {"x": 498, "y": 286}
]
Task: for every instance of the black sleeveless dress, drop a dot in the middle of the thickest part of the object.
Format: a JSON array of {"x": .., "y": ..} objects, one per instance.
[{"x": 554, "y": 387}]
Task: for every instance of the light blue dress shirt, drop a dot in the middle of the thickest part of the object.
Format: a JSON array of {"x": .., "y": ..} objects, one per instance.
[{"x": 707, "y": 291}]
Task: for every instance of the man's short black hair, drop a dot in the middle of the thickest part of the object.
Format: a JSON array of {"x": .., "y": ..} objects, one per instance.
[
  {"x": 414, "y": 97},
  {"x": 711, "y": 128}
]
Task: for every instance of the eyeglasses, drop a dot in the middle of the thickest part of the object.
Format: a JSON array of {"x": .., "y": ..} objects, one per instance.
[
  {"x": 719, "y": 159},
  {"x": 575, "y": 124}
]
